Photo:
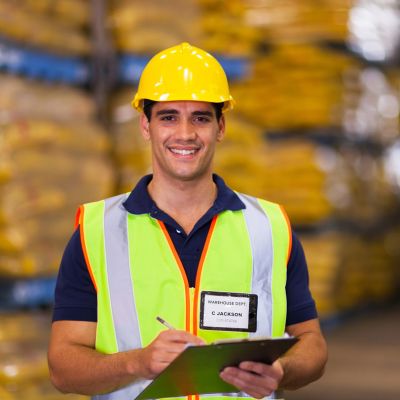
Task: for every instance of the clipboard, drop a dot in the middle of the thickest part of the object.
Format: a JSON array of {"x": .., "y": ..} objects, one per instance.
[{"x": 196, "y": 370}]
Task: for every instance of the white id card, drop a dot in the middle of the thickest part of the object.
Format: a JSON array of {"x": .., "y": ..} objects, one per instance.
[{"x": 225, "y": 311}]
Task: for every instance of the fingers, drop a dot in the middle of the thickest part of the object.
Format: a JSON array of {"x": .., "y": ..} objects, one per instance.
[
  {"x": 177, "y": 336},
  {"x": 164, "y": 349},
  {"x": 174, "y": 341},
  {"x": 256, "y": 379},
  {"x": 236, "y": 377},
  {"x": 170, "y": 343},
  {"x": 274, "y": 371}
]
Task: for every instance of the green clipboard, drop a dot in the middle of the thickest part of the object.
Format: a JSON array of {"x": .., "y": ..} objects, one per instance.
[{"x": 196, "y": 370}]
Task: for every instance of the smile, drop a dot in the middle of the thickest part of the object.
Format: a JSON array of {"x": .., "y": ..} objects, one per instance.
[{"x": 183, "y": 152}]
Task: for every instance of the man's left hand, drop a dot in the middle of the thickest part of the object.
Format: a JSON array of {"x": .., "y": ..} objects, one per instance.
[{"x": 256, "y": 379}]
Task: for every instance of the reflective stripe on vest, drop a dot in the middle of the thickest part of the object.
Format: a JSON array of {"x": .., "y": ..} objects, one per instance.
[{"x": 245, "y": 252}]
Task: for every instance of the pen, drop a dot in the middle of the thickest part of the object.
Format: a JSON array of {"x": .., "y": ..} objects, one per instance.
[{"x": 164, "y": 322}]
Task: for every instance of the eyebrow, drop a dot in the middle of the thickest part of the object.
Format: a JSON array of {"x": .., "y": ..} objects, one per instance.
[
  {"x": 176, "y": 112},
  {"x": 205, "y": 113},
  {"x": 163, "y": 112}
]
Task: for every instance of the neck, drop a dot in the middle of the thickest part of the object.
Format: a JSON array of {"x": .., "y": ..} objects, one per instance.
[{"x": 184, "y": 201}]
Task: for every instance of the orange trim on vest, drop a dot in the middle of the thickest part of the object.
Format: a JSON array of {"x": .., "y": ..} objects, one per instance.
[
  {"x": 80, "y": 214},
  {"x": 290, "y": 233},
  {"x": 198, "y": 274},
  {"x": 183, "y": 273}
]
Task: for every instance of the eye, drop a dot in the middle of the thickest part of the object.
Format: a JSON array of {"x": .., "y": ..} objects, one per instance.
[
  {"x": 202, "y": 119},
  {"x": 168, "y": 118}
]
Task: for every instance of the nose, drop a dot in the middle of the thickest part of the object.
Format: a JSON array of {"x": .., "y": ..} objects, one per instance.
[{"x": 186, "y": 131}]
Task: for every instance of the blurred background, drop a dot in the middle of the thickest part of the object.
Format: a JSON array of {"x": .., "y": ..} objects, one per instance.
[{"x": 316, "y": 128}]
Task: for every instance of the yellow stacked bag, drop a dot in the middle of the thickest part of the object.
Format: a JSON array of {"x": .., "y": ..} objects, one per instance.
[
  {"x": 219, "y": 27},
  {"x": 69, "y": 12},
  {"x": 148, "y": 28},
  {"x": 287, "y": 172},
  {"x": 51, "y": 164},
  {"x": 131, "y": 152},
  {"x": 23, "y": 358},
  {"x": 349, "y": 270},
  {"x": 294, "y": 87},
  {"x": 299, "y": 21},
  {"x": 226, "y": 30},
  {"x": 325, "y": 263},
  {"x": 60, "y": 26}
]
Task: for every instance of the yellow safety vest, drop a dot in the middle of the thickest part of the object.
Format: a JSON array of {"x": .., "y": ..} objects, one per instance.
[{"x": 138, "y": 274}]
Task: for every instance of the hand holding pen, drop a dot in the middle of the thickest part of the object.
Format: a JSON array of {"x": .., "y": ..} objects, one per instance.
[{"x": 164, "y": 349}]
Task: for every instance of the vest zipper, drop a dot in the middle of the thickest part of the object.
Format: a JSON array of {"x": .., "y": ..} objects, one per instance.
[
  {"x": 194, "y": 329},
  {"x": 197, "y": 284}
]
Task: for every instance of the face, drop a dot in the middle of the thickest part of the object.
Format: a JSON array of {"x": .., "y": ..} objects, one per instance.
[{"x": 183, "y": 136}]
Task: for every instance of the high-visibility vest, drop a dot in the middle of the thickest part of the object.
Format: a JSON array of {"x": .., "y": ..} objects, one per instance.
[{"x": 138, "y": 274}]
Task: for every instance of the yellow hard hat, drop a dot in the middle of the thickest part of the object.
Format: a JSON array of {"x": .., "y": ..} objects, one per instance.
[{"x": 183, "y": 72}]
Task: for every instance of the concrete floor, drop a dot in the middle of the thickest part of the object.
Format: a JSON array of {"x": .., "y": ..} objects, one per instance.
[{"x": 364, "y": 359}]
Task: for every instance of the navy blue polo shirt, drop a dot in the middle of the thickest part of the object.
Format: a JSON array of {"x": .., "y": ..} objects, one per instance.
[{"x": 75, "y": 295}]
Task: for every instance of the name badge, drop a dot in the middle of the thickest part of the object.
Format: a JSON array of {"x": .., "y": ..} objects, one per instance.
[{"x": 228, "y": 311}]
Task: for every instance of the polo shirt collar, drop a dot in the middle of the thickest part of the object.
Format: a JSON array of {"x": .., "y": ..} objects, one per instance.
[{"x": 140, "y": 202}]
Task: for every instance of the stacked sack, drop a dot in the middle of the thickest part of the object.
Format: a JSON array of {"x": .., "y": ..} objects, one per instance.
[
  {"x": 370, "y": 197},
  {"x": 299, "y": 22},
  {"x": 348, "y": 271},
  {"x": 23, "y": 358},
  {"x": 319, "y": 186},
  {"x": 219, "y": 27},
  {"x": 291, "y": 173},
  {"x": 246, "y": 28},
  {"x": 54, "y": 157},
  {"x": 318, "y": 168},
  {"x": 131, "y": 152},
  {"x": 60, "y": 26},
  {"x": 301, "y": 87},
  {"x": 226, "y": 30},
  {"x": 325, "y": 265},
  {"x": 148, "y": 28}
]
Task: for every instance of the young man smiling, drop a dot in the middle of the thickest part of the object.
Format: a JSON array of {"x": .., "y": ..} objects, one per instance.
[
  {"x": 183, "y": 137},
  {"x": 181, "y": 239}
]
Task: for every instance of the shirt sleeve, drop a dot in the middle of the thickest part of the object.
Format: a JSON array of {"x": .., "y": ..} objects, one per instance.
[
  {"x": 300, "y": 304},
  {"x": 75, "y": 295}
]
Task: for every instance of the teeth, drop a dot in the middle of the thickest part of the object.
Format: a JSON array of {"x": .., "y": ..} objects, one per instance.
[{"x": 183, "y": 152}]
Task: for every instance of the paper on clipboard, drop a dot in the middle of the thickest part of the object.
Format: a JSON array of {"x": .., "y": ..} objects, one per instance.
[{"x": 196, "y": 370}]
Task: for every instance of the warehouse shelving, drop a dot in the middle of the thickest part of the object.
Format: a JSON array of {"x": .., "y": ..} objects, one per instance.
[
  {"x": 26, "y": 293},
  {"x": 38, "y": 64},
  {"x": 330, "y": 136},
  {"x": 343, "y": 47},
  {"x": 131, "y": 66}
]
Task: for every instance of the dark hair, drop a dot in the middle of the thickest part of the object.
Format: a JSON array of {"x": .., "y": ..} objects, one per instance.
[
  {"x": 148, "y": 106},
  {"x": 218, "y": 109}
]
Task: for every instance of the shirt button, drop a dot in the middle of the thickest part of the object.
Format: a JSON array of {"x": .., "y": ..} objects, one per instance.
[{"x": 178, "y": 231}]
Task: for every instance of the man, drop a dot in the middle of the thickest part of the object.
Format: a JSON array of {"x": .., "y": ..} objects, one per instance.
[{"x": 180, "y": 237}]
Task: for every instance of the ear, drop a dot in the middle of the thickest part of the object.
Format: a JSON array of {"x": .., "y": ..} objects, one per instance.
[
  {"x": 144, "y": 127},
  {"x": 221, "y": 132}
]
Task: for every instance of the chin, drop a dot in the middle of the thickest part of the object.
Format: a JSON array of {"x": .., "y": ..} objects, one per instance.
[{"x": 188, "y": 177}]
